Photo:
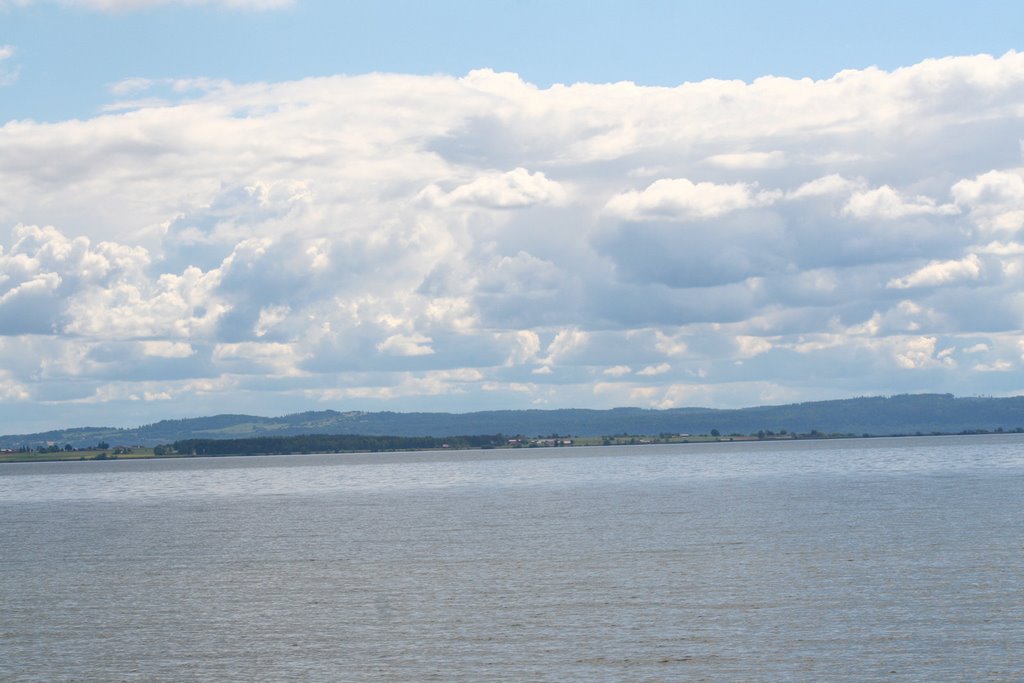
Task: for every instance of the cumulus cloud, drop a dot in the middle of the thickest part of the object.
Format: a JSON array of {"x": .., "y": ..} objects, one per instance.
[
  {"x": 668, "y": 344},
  {"x": 682, "y": 199},
  {"x": 397, "y": 241},
  {"x": 995, "y": 200},
  {"x": 940, "y": 273},
  {"x": 565, "y": 344},
  {"x": 54, "y": 284},
  {"x": 832, "y": 184},
  {"x": 167, "y": 349},
  {"x": 885, "y": 203},
  {"x": 406, "y": 345},
  {"x": 12, "y": 391},
  {"x": 920, "y": 352},
  {"x": 749, "y": 346},
  {"x": 515, "y": 189},
  {"x": 654, "y": 370}
]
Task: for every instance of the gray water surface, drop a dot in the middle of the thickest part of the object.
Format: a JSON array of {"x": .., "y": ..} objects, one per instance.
[{"x": 860, "y": 560}]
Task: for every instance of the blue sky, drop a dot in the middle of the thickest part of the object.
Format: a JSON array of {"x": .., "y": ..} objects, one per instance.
[
  {"x": 67, "y": 54},
  {"x": 267, "y": 206}
]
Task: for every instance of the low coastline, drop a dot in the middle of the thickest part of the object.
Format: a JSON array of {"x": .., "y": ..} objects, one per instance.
[{"x": 516, "y": 443}]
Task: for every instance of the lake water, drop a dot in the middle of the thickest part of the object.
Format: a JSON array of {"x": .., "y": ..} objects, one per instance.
[{"x": 859, "y": 560}]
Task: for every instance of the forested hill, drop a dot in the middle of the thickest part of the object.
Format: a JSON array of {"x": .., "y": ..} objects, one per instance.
[{"x": 903, "y": 414}]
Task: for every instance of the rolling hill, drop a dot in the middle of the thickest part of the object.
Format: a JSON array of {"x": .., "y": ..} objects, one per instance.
[{"x": 901, "y": 414}]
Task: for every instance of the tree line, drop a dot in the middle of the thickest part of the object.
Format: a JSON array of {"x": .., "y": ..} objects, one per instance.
[{"x": 324, "y": 443}]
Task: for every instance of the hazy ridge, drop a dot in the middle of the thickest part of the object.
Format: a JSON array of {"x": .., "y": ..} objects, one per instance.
[{"x": 902, "y": 414}]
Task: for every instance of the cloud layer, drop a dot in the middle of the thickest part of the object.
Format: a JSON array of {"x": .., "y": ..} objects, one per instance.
[{"x": 454, "y": 243}]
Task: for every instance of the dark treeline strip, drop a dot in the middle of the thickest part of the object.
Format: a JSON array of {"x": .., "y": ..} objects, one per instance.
[{"x": 324, "y": 443}]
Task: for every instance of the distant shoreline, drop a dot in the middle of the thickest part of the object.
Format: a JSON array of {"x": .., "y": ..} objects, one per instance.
[
  {"x": 875, "y": 415},
  {"x": 144, "y": 453}
]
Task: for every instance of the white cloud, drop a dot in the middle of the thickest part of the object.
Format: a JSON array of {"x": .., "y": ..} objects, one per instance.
[
  {"x": 431, "y": 384},
  {"x": 517, "y": 387},
  {"x": 131, "y": 86},
  {"x": 175, "y": 305},
  {"x": 11, "y": 390},
  {"x": 167, "y": 349},
  {"x": 887, "y": 204},
  {"x": 99, "y": 291},
  {"x": 260, "y": 358},
  {"x": 748, "y": 346},
  {"x": 565, "y": 343},
  {"x": 995, "y": 200},
  {"x": 524, "y": 345},
  {"x": 995, "y": 366},
  {"x": 939, "y": 273},
  {"x": 515, "y": 189},
  {"x": 269, "y": 318},
  {"x": 372, "y": 239},
  {"x": 832, "y": 184},
  {"x": 682, "y": 199},
  {"x": 916, "y": 353},
  {"x": 406, "y": 345},
  {"x": 751, "y": 160},
  {"x": 669, "y": 345},
  {"x": 1002, "y": 248},
  {"x": 654, "y": 370}
]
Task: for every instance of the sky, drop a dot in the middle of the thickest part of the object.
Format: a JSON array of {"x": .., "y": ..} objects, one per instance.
[{"x": 269, "y": 206}]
